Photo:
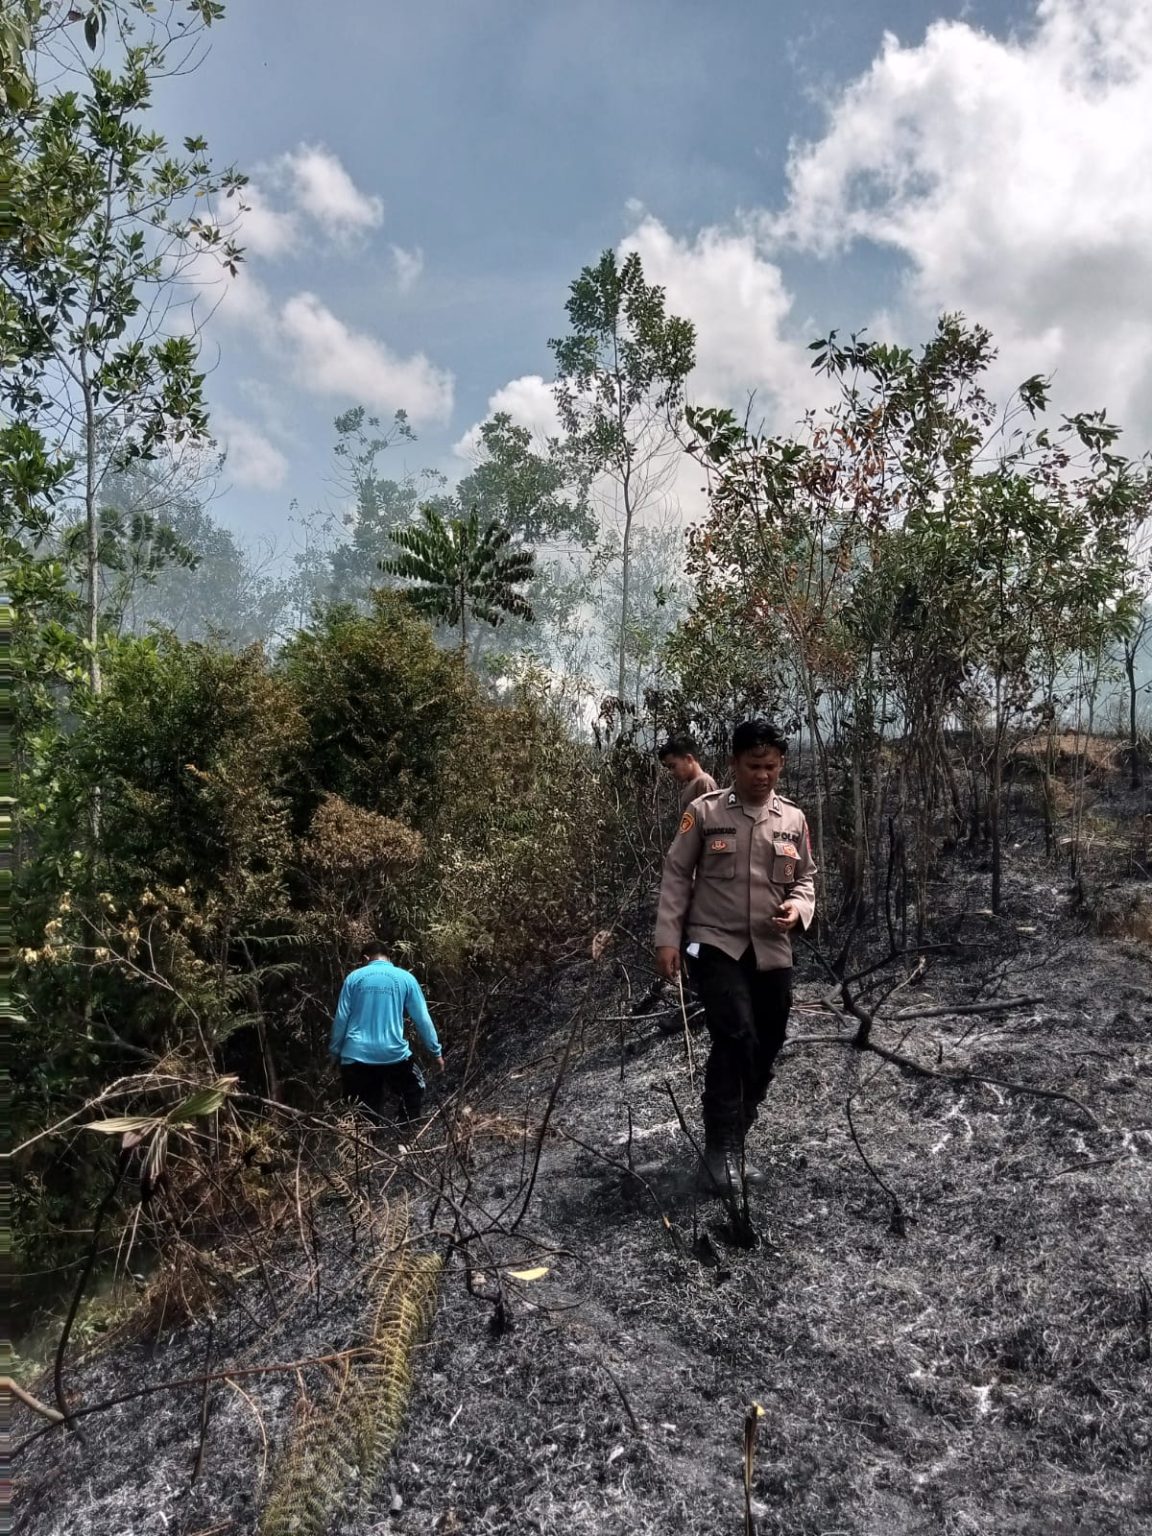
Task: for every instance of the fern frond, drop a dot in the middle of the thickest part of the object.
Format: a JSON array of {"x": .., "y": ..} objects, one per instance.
[{"x": 339, "y": 1450}]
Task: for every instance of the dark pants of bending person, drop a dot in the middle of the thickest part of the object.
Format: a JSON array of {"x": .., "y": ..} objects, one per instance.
[
  {"x": 746, "y": 1011},
  {"x": 367, "y": 1081}
]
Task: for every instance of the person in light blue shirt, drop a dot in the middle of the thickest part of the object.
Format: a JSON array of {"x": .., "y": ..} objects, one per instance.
[{"x": 368, "y": 1036}]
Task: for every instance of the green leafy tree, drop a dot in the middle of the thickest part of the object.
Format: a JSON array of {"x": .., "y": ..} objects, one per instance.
[
  {"x": 170, "y": 565},
  {"x": 540, "y": 497},
  {"x": 461, "y": 569},
  {"x": 534, "y": 491},
  {"x": 620, "y": 384},
  {"x": 375, "y": 504},
  {"x": 915, "y": 558},
  {"x": 17, "y": 21},
  {"x": 539, "y": 492},
  {"x": 44, "y": 649},
  {"x": 133, "y": 548},
  {"x": 383, "y": 703},
  {"x": 344, "y": 545},
  {"x": 104, "y": 229},
  {"x": 1050, "y": 574}
]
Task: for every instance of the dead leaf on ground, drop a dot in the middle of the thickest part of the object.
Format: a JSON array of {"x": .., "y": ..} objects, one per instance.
[{"x": 601, "y": 942}]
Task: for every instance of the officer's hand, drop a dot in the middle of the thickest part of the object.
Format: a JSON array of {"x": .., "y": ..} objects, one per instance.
[
  {"x": 668, "y": 962},
  {"x": 439, "y": 1063},
  {"x": 787, "y": 917}
]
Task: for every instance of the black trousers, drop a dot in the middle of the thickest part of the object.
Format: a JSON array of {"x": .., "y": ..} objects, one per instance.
[
  {"x": 746, "y": 1011},
  {"x": 366, "y": 1082}
]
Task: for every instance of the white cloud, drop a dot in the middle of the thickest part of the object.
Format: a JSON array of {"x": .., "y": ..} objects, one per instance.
[
  {"x": 323, "y": 190},
  {"x": 245, "y": 301},
  {"x": 328, "y": 358},
  {"x": 264, "y": 230},
  {"x": 409, "y": 265},
  {"x": 1011, "y": 176},
  {"x": 735, "y": 295},
  {"x": 251, "y": 459},
  {"x": 1014, "y": 177},
  {"x": 724, "y": 282},
  {"x": 320, "y": 352},
  {"x": 241, "y": 300},
  {"x": 270, "y": 404},
  {"x": 307, "y": 191},
  {"x": 530, "y": 403},
  {"x": 300, "y": 334}
]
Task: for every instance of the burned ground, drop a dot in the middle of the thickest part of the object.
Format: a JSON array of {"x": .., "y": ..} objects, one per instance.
[
  {"x": 963, "y": 1350},
  {"x": 988, "y": 1371}
]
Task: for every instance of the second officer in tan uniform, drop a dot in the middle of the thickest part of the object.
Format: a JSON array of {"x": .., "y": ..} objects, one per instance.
[
  {"x": 738, "y": 880},
  {"x": 678, "y": 755}
]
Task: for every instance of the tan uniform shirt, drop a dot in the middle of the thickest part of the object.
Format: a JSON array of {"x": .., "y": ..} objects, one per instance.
[
  {"x": 727, "y": 872},
  {"x": 702, "y": 784}
]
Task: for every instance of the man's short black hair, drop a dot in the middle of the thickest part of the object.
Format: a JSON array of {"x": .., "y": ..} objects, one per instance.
[
  {"x": 751, "y": 735},
  {"x": 375, "y": 949},
  {"x": 678, "y": 746}
]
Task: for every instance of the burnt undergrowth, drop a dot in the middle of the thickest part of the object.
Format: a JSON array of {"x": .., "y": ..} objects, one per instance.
[{"x": 939, "y": 1299}]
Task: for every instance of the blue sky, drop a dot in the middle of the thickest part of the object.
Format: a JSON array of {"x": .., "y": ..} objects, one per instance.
[{"x": 428, "y": 179}]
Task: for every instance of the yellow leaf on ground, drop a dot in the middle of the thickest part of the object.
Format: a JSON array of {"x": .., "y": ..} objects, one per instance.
[{"x": 529, "y": 1274}]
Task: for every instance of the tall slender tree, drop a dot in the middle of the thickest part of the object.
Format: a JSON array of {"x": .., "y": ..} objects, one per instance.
[
  {"x": 104, "y": 228},
  {"x": 620, "y": 385}
]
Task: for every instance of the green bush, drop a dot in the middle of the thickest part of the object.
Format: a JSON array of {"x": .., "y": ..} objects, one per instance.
[
  {"x": 384, "y": 709},
  {"x": 220, "y": 833}
]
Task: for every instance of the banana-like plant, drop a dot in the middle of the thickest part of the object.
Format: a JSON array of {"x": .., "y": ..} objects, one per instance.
[{"x": 462, "y": 569}]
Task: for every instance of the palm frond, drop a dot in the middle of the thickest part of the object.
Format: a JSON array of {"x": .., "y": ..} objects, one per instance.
[{"x": 458, "y": 565}]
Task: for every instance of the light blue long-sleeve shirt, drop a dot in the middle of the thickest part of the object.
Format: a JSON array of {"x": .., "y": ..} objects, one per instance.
[{"x": 369, "y": 1021}]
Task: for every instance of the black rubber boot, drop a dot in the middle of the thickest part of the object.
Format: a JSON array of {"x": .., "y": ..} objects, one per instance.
[
  {"x": 724, "y": 1169},
  {"x": 755, "y": 1176},
  {"x": 717, "y": 1175}
]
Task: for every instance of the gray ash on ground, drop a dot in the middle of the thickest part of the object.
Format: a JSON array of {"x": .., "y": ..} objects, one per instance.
[{"x": 988, "y": 1371}]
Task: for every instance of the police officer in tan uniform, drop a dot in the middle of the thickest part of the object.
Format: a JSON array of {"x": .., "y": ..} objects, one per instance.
[
  {"x": 738, "y": 881},
  {"x": 678, "y": 755}
]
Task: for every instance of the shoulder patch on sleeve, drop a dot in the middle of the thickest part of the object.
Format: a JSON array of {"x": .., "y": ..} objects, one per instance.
[{"x": 687, "y": 821}]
